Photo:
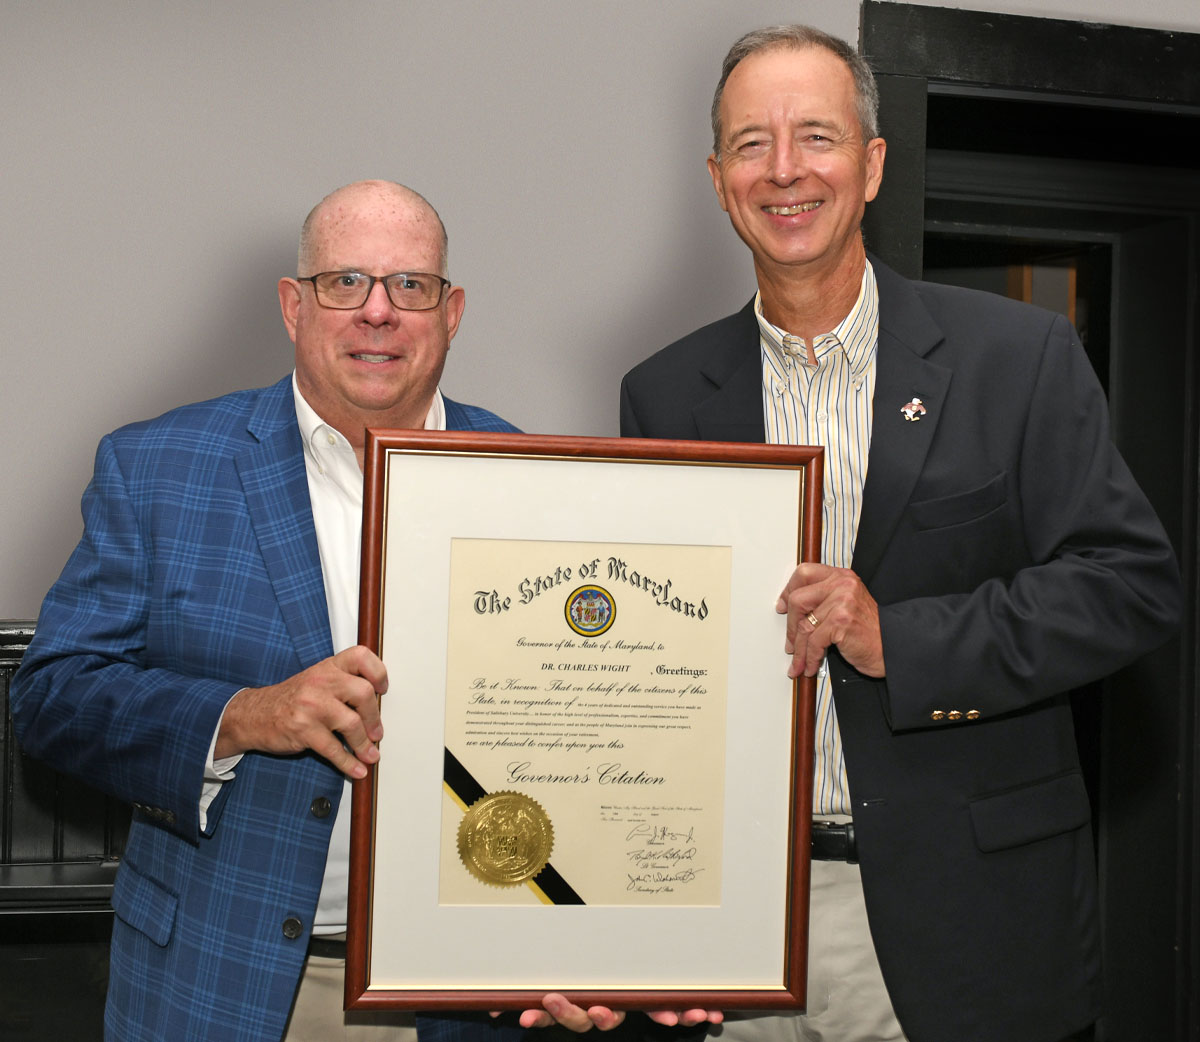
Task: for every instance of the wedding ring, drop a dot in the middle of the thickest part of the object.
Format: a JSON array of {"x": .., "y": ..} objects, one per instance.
[{"x": 813, "y": 620}]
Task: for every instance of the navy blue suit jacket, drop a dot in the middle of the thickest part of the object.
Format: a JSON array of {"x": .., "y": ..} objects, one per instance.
[
  {"x": 197, "y": 574},
  {"x": 1013, "y": 558}
]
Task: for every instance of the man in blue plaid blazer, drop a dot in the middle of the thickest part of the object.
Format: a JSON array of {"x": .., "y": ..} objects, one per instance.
[{"x": 191, "y": 624}]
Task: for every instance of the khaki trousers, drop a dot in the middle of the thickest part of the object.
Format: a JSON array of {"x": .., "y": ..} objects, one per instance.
[
  {"x": 317, "y": 1014},
  {"x": 847, "y": 1000}
]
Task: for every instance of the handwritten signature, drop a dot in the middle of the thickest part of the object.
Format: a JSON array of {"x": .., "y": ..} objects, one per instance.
[
  {"x": 656, "y": 882},
  {"x": 659, "y": 854},
  {"x": 670, "y": 855},
  {"x": 659, "y": 835}
]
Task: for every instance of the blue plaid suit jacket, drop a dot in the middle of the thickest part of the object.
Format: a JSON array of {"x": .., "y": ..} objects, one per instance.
[{"x": 197, "y": 574}]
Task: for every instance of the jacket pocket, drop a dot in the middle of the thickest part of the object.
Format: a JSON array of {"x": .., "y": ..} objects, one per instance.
[
  {"x": 1040, "y": 810},
  {"x": 143, "y": 904},
  {"x": 961, "y": 507}
]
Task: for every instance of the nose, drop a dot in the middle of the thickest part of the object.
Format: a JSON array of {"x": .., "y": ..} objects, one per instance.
[
  {"x": 377, "y": 308},
  {"x": 787, "y": 162}
]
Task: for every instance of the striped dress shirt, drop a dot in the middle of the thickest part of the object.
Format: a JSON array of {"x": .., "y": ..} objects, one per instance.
[{"x": 827, "y": 404}]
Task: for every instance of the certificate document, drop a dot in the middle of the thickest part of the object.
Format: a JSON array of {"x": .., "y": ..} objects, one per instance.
[
  {"x": 586, "y": 688},
  {"x": 595, "y": 776}
]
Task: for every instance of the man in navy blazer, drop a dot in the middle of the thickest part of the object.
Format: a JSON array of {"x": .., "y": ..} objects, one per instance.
[
  {"x": 191, "y": 625},
  {"x": 1002, "y": 555}
]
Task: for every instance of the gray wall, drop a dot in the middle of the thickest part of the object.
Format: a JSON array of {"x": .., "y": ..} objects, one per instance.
[{"x": 159, "y": 156}]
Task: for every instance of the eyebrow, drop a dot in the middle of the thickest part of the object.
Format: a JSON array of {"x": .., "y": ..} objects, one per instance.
[
  {"x": 750, "y": 128},
  {"x": 804, "y": 124}
]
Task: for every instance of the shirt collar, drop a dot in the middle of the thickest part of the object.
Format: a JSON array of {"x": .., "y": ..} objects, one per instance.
[
  {"x": 314, "y": 431},
  {"x": 857, "y": 335}
]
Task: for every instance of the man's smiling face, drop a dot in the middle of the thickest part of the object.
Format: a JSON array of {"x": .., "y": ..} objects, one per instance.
[
  {"x": 377, "y": 364},
  {"x": 794, "y": 173}
]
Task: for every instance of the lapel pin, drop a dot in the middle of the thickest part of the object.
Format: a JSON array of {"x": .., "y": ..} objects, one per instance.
[{"x": 913, "y": 410}]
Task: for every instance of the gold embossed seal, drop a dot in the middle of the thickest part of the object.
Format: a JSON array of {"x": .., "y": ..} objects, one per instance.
[{"x": 505, "y": 838}]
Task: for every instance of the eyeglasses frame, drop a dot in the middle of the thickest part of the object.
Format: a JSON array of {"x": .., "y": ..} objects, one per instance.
[{"x": 445, "y": 284}]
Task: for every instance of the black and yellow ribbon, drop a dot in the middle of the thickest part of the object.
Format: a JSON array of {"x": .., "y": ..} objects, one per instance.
[{"x": 548, "y": 885}]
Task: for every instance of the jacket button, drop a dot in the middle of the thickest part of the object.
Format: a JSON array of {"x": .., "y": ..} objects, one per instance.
[
  {"x": 973, "y": 714},
  {"x": 292, "y": 928},
  {"x": 954, "y": 714},
  {"x": 937, "y": 714},
  {"x": 321, "y": 807}
]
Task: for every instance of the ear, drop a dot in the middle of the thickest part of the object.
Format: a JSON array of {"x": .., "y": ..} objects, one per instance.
[
  {"x": 876, "y": 151},
  {"x": 718, "y": 180},
  {"x": 456, "y": 302},
  {"x": 289, "y": 304}
]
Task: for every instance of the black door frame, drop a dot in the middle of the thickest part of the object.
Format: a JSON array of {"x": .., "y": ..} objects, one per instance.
[{"x": 1134, "y": 75}]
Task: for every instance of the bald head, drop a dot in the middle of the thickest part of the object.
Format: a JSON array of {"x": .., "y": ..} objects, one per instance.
[
  {"x": 377, "y": 364},
  {"x": 385, "y": 197}
]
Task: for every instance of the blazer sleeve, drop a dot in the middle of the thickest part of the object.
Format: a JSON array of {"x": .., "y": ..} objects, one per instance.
[
  {"x": 631, "y": 425},
  {"x": 1063, "y": 569},
  {"x": 86, "y": 700}
]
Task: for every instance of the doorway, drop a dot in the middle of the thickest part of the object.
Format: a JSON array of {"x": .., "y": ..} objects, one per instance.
[{"x": 1053, "y": 162}]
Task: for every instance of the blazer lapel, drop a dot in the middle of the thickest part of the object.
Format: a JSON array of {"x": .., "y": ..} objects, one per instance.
[
  {"x": 276, "y": 488},
  {"x": 907, "y": 333},
  {"x": 734, "y": 412}
]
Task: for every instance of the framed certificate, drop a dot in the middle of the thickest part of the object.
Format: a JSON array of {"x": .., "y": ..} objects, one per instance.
[{"x": 596, "y": 777}]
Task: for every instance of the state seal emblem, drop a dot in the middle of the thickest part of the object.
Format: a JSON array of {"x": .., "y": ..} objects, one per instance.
[
  {"x": 505, "y": 838},
  {"x": 590, "y": 610}
]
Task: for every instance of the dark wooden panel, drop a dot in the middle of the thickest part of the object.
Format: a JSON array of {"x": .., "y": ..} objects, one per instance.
[
  {"x": 59, "y": 847},
  {"x": 46, "y": 816},
  {"x": 1157, "y": 68},
  {"x": 892, "y": 226},
  {"x": 53, "y": 978}
]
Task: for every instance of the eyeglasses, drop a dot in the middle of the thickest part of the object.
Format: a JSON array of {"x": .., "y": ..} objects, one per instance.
[{"x": 407, "y": 290}]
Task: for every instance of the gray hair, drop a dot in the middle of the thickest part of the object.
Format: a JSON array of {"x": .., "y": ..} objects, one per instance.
[
  {"x": 307, "y": 230},
  {"x": 797, "y": 38}
]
